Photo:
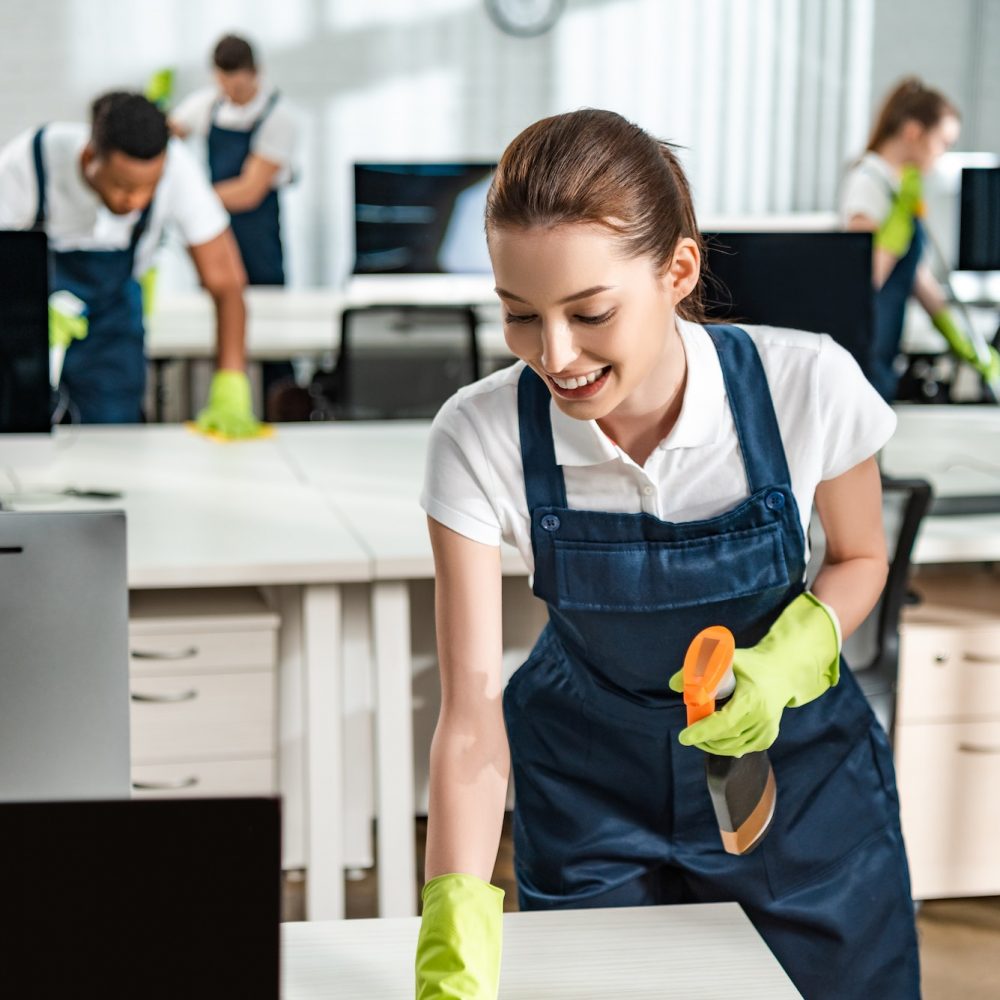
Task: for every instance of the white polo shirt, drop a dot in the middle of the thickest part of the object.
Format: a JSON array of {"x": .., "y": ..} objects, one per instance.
[
  {"x": 77, "y": 219},
  {"x": 868, "y": 189},
  {"x": 275, "y": 140},
  {"x": 829, "y": 416}
]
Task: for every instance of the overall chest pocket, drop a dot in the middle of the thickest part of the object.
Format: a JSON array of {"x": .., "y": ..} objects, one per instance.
[{"x": 660, "y": 575}]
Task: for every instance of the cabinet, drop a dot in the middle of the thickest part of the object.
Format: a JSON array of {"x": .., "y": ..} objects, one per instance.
[
  {"x": 203, "y": 674},
  {"x": 948, "y": 734}
]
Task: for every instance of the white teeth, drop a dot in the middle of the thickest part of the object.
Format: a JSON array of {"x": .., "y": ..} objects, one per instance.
[{"x": 578, "y": 381}]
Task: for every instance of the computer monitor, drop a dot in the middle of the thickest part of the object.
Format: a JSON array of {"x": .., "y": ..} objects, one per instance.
[
  {"x": 979, "y": 220},
  {"x": 64, "y": 684},
  {"x": 816, "y": 281},
  {"x": 148, "y": 898},
  {"x": 24, "y": 334},
  {"x": 25, "y": 395},
  {"x": 420, "y": 218}
]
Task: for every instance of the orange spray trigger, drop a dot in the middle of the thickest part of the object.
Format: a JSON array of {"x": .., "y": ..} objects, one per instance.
[{"x": 706, "y": 663}]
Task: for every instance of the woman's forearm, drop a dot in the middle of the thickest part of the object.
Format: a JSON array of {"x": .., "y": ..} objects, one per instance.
[
  {"x": 470, "y": 765},
  {"x": 851, "y": 588}
]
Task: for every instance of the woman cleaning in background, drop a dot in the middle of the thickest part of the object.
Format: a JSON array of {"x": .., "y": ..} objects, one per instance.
[
  {"x": 882, "y": 194},
  {"x": 658, "y": 476}
]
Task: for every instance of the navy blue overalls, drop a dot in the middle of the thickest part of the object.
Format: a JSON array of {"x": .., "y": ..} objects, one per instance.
[
  {"x": 890, "y": 310},
  {"x": 610, "y": 809},
  {"x": 257, "y": 231},
  {"x": 105, "y": 373}
]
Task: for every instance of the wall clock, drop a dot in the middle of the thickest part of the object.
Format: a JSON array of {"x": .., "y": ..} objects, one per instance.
[{"x": 525, "y": 18}]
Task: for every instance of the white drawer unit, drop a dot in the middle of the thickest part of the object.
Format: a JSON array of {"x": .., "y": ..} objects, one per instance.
[
  {"x": 210, "y": 778},
  {"x": 949, "y": 777},
  {"x": 948, "y": 733},
  {"x": 203, "y": 681}
]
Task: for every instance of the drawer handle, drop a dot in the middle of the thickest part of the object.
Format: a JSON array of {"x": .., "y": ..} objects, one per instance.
[
  {"x": 979, "y": 748},
  {"x": 168, "y": 699},
  {"x": 980, "y": 658},
  {"x": 181, "y": 654},
  {"x": 165, "y": 786},
  {"x": 941, "y": 658}
]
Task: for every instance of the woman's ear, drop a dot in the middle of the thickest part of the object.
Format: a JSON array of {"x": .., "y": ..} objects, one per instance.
[{"x": 679, "y": 277}]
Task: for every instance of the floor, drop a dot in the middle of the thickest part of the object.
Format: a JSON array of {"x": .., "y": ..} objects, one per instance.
[{"x": 959, "y": 938}]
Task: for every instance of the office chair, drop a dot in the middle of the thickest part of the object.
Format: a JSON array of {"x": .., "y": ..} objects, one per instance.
[
  {"x": 873, "y": 650},
  {"x": 399, "y": 370}
]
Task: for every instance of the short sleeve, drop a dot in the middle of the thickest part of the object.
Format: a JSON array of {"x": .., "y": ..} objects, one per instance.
[
  {"x": 855, "y": 422},
  {"x": 864, "y": 193},
  {"x": 458, "y": 480},
  {"x": 18, "y": 186},
  {"x": 275, "y": 139},
  {"x": 193, "y": 205},
  {"x": 195, "y": 112}
]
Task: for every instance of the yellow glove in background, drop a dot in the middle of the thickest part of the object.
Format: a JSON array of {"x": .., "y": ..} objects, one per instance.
[
  {"x": 67, "y": 319},
  {"x": 229, "y": 413},
  {"x": 896, "y": 232}
]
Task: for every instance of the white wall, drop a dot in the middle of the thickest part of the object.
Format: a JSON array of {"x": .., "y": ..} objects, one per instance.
[
  {"x": 770, "y": 97},
  {"x": 954, "y": 46}
]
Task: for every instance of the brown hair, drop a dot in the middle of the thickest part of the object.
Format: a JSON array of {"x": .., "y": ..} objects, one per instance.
[
  {"x": 593, "y": 166},
  {"x": 909, "y": 100},
  {"x": 233, "y": 53}
]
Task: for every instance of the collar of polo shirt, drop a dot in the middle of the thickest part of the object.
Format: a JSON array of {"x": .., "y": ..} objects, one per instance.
[{"x": 582, "y": 442}]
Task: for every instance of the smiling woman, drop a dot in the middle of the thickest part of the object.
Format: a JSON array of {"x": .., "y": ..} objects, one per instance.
[{"x": 658, "y": 475}]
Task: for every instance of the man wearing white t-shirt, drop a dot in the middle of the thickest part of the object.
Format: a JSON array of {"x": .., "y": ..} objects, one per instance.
[
  {"x": 251, "y": 135},
  {"x": 103, "y": 195}
]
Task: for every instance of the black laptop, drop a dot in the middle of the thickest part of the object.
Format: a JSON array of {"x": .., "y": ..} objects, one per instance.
[{"x": 141, "y": 899}]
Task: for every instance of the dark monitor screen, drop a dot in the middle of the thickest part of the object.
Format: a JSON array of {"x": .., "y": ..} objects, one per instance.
[
  {"x": 979, "y": 220},
  {"x": 143, "y": 898},
  {"x": 24, "y": 333},
  {"x": 820, "y": 281},
  {"x": 420, "y": 218}
]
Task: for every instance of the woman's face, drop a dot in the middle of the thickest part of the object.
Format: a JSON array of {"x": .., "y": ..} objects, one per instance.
[
  {"x": 928, "y": 144},
  {"x": 598, "y": 328}
]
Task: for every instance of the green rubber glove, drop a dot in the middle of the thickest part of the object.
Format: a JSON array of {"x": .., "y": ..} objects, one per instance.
[
  {"x": 160, "y": 88},
  {"x": 229, "y": 413},
  {"x": 962, "y": 347},
  {"x": 896, "y": 233},
  {"x": 461, "y": 936},
  {"x": 67, "y": 319},
  {"x": 794, "y": 663}
]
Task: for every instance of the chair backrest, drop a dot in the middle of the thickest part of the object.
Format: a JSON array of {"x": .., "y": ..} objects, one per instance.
[
  {"x": 873, "y": 650},
  {"x": 405, "y": 368}
]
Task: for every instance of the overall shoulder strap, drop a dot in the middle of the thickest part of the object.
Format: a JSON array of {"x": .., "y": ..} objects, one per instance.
[
  {"x": 752, "y": 407},
  {"x": 543, "y": 479},
  {"x": 36, "y": 149}
]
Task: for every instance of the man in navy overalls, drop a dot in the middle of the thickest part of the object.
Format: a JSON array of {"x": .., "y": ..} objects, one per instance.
[
  {"x": 250, "y": 139},
  {"x": 103, "y": 195}
]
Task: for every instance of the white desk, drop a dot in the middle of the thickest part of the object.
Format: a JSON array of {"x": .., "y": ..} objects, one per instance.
[
  {"x": 204, "y": 514},
  {"x": 957, "y": 449},
  {"x": 698, "y": 952},
  {"x": 283, "y": 323}
]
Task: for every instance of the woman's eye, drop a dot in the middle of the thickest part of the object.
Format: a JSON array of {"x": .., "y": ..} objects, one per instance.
[
  {"x": 515, "y": 318},
  {"x": 597, "y": 320}
]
